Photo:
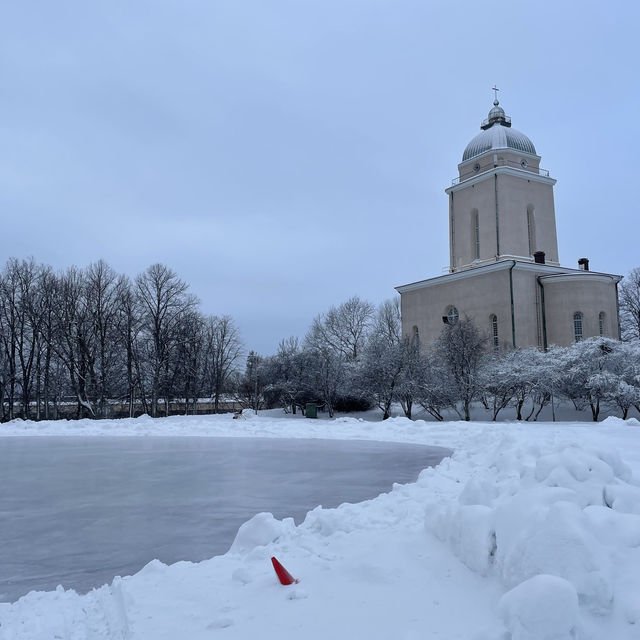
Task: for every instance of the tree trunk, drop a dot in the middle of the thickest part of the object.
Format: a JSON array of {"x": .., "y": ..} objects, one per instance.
[{"x": 47, "y": 376}]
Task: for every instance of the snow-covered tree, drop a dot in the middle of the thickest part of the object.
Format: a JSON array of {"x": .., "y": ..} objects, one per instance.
[
  {"x": 624, "y": 391},
  {"x": 461, "y": 351},
  {"x": 497, "y": 384},
  {"x": 408, "y": 386},
  {"x": 629, "y": 295},
  {"x": 521, "y": 376},
  {"x": 588, "y": 372},
  {"x": 287, "y": 384},
  {"x": 434, "y": 388},
  {"x": 325, "y": 372},
  {"x": 380, "y": 373},
  {"x": 251, "y": 384}
]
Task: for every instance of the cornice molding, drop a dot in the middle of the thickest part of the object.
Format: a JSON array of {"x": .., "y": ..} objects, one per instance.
[{"x": 546, "y": 271}]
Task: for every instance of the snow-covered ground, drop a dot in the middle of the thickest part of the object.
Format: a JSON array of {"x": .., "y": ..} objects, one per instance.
[{"x": 529, "y": 532}]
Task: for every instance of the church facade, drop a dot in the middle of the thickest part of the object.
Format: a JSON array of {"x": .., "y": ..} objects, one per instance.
[{"x": 504, "y": 272}]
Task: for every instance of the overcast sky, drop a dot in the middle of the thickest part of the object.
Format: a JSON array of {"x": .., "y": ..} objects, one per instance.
[{"x": 284, "y": 156}]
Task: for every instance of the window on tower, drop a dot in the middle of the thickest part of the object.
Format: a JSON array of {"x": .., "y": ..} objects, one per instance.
[
  {"x": 577, "y": 326},
  {"x": 475, "y": 235},
  {"x": 601, "y": 323},
  {"x": 494, "y": 332},
  {"x": 531, "y": 229}
]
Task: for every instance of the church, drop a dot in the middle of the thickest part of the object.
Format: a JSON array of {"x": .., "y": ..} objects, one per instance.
[{"x": 505, "y": 273}]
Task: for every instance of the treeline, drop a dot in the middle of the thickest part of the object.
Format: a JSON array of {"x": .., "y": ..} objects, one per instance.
[
  {"x": 354, "y": 357},
  {"x": 92, "y": 337},
  {"x": 94, "y": 343}
]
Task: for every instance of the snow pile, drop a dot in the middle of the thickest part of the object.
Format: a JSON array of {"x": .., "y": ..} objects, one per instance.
[
  {"x": 534, "y": 511},
  {"x": 261, "y": 530},
  {"x": 541, "y": 608}
]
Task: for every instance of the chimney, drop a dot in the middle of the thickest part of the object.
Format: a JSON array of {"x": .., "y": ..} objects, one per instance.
[
  {"x": 538, "y": 257},
  {"x": 583, "y": 264}
]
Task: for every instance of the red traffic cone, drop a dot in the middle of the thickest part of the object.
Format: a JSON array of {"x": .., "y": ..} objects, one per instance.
[{"x": 283, "y": 575}]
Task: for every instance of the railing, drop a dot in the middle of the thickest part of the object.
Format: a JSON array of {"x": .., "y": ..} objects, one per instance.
[
  {"x": 486, "y": 121},
  {"x": 503, "y": 163}
]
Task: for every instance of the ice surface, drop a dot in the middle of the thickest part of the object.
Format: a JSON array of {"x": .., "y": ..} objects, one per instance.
[{"x": 80, "y": 511}]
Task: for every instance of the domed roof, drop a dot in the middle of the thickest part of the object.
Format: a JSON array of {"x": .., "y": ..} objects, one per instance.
[{"x": 498, "y": 134}]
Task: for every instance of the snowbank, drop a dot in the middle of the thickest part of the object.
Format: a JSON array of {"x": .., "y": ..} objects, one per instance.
[
  {"x": 527, "y": 532},
  {"x": 568, "y": 511}
]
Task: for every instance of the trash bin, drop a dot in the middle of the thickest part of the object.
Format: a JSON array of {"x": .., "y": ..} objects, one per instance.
[{"x": 311, "y": 410}]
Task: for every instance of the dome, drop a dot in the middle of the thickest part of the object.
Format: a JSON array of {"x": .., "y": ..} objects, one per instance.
[{"x": 498, "y": 134}]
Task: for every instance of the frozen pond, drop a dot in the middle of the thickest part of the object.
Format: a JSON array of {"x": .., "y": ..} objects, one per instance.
[{"x": 79, "y": 511}]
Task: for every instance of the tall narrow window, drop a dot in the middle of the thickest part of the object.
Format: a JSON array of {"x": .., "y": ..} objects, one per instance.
[
  {"x": 415, "y": 337},
  {"x": 494, "y": 332},
  {"x": 577, "y": 326},
  {"x": 601, "y": 323},
  {"x": 531, "y": 229},
  {"x": 475, "y": 235}
]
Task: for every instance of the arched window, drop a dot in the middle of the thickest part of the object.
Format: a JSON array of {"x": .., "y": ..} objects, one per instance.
[
  {"x": 577, "y": 326},
  {"x": 494, "y": 331},
  {"x": 601, "y": 323},
  {"x": 415, "y": 336},
  {"x": 452, "y": 315},
  {"x": 475, "y": 235},
  {"x": 531, "y": 229}
]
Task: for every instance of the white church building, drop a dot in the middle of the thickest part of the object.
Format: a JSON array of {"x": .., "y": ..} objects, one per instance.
[{"x": 504, "y": 272}]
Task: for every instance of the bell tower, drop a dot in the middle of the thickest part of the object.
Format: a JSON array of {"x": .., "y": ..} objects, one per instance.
[{"x": 501, "y": 204}]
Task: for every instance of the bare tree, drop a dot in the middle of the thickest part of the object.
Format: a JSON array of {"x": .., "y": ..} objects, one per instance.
[
  {"x": 128, "y": 324},
  {"x": 163, "y": 297},
  {"x": 103, "y": 287},
  {"x": 21, "y": 316},
  {"x": 223, "y": 350},
  {"x": 9, "y": 329},
  {"x": 72, "y": 339},
  {"x": 250, "y": 386},
  {"x": 344, "y": 328},
  {"x": 186, "y": 365}
]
